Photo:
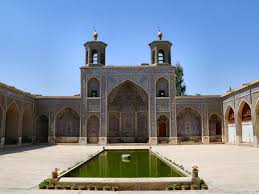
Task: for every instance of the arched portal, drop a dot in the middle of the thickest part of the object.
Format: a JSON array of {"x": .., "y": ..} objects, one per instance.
[
  {"x": 215, "y": 128},
  {"x": 130, "y": 103},
  {"x": 230, "y": 124},
  {"x": 27, "y": 126},
  {"x": 67, "y": 126},
  {"x": 189, "y": 126},
  {"x": 162, "y": 128},
  {"x": 42, "y": 129},
  {"x": 12, "y": 124},
  {"x": 245, "y": 123},
  {"x": 93, "y": 129}
]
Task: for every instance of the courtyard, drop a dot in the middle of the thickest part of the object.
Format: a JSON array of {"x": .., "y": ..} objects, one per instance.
[{"x": 225, "y": 168}]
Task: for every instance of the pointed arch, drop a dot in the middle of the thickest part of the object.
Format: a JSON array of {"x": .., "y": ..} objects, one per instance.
[
  {"x": 42, "y": 128},
  {"x": 162, "y": 87},
  {"x": 162, "y": 128},
  {"x": 215, "y": 128},
  {"x": 12, "y": 124},
  {"x": 229, "y": 122},
  {"x": 67, "y": 126},
  {"x": 93, "y": 129},
  {"x": 129, "y": 101},
  {"x": 93, "y": 87},
  {"x": 244, "y": 122},
  {"x": 189, "y": 126},
  {"x": 27, "y": 125}
]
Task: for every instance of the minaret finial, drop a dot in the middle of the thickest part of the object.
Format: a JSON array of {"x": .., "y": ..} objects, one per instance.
[
  {"x": 159, "y": 34},
  {"x": 95, "y": 34}
]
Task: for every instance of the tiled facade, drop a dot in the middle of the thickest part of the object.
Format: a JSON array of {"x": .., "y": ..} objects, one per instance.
[{"x": 129, "y": 104}]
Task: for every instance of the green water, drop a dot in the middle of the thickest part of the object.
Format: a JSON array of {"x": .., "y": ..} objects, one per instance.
[{"x": 109, "y": 164}]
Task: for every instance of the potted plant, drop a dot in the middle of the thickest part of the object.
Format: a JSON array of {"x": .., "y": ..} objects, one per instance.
[
  {"x": 55, "y": 173},
  {"x": 195, "y": 171}
]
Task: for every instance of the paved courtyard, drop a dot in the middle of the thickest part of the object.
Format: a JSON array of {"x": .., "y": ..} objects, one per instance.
[{"x": 226, "y": 168}]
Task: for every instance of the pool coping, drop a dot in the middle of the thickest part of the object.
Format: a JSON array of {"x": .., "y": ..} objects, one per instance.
[{"x": 124, "y": 180}]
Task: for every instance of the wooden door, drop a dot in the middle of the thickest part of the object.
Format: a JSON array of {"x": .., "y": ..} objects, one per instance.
[{"x": 162, "y": 129}]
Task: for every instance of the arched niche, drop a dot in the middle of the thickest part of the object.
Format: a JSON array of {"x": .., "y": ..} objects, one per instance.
[
  {"x": 189, "y": 127},
  {"x": 93, "y": 129},
  {"x": 67, "y": 126},
  {"x": 162, "y": 128},
  {"x": 130, "y": 102},
  {"x": 142, "y": 124},
  {"x": 162, "y": 87},
  {"x": 244, "y": 123},
  {"x": 27, "y": 126},
  {"x": 215, "y": 128},
  {"x": 230, "y": 124},
  {"x": 93, "y": 87},
  {"x": 12, "y": 124},
  {"x": 42, "y": 129}
]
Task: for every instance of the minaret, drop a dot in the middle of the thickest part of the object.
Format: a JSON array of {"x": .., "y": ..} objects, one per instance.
[
  {"x": 160, "y": 51},
  {"x": 95, "y": 52}
]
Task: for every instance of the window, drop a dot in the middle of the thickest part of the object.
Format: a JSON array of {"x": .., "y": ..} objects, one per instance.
[
  {"x": 94, "y": 57},
  {"x": 160, "y": 56}
]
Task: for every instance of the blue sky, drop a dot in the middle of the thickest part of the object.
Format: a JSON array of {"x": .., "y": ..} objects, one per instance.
[{"x": 41, "y": 41}]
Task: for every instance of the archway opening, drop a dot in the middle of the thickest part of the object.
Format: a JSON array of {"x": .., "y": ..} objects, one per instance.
[
  {"x": 93, "y": 88},
  {"x": 128, "y": 114},
  {"x": 161, "y": 56},
  {"x": 215, "y": 128},
  {"x": 42, "y": 129},
  {"x": 163, "y": 129},
  {"x": 12, "y": 124},
  {"x": 93, "y": 129},
  {"x": 189, "y": 126},
  {"x": 245, "y": 123},
  {"x": 230, "y": 124},
  {"x": 27, "y": 126},
  {"x": 162, "y": 87},
  {"x": 67, "y": 126}
]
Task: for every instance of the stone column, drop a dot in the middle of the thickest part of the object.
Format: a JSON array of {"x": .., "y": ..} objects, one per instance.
[
  {"x": 83, "y": 111},
  {"x": 20, "y": 130},
  {"x": 238, "y": 124},
  {"x": 103, "y": 134},
  {"x": 205, "y": 124},
  {"x": 256, "y": 138},
  {"x": 152, "y": 112},
  {"x": 172, "y": 92},
  {"x": 52, "y": 138},
  {"x": 34, "y": 124}
]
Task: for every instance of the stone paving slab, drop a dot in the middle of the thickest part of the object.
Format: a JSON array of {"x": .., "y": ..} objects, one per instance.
[{"x": 226, "y": 168}]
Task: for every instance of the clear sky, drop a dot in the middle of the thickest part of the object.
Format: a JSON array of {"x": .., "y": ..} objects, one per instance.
[{"x": 41, "y": 41}]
